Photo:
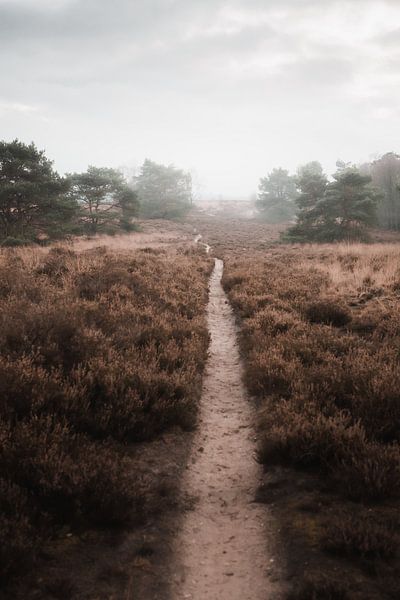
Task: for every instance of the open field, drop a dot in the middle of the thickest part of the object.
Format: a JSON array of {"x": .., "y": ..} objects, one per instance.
[
  {"x": 101, "y": 352},
  {"x": 232, "y": 234}
]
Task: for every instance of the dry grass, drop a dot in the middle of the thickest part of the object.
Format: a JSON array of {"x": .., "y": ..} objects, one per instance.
[
  {"x": 355, "y": 268},
  {"x": 98, "y": 349},
  {"x": 320, "y": 334}
]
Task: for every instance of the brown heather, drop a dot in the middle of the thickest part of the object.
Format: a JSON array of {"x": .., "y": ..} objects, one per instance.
[
  {"x": 320, "y": 336},
  {"x": 98, "y": 349}
]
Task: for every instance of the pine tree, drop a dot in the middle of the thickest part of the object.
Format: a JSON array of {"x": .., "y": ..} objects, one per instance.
[
  {"x": 312, "y": 183},
  {"x": 164, "y": 191},
  {"x": 348, "y": 206},
  {"x": 340, "y": 210},
  {"x": 33, "y": 197},
  {"x": 277, "y": 193},
  {"x": 385, "y": 173},
  {"x": 105, "y": 200}
]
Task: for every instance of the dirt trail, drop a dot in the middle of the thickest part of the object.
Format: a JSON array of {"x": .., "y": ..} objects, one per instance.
[{"x": 223, "y": 550}]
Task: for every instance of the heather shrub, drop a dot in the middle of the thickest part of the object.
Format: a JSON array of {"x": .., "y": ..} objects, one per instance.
[
  {"x": 97, "y": 349},
  {"x": 13, "y": 242},
  {"x": 327, "y": 376},
  {"x": 327, "y": 312},
  {"x": 371, "y": 473},
  {"x": 361, "y": 537},
  {"x": 66, "y": 475},
  {"x": 319, "y": 588},
  {"x": 17, "y": 535},
  {"x": 300, "y": 435},
  {"x": 57, "y": 262},
  {"x": 269, "y": 373}
]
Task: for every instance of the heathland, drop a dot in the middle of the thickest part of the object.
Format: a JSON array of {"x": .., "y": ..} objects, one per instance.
[
  {"x": 319, "y": 331},
  {"x": 102, "y": 349}
]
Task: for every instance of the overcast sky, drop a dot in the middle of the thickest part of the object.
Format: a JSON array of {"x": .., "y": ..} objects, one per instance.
[{"x": 229, "y": 89}]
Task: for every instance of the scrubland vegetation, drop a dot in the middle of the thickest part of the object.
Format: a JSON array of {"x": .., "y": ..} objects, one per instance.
[
  {"x": 320, "y": 335},
  {"x": 99, "y": 350}
]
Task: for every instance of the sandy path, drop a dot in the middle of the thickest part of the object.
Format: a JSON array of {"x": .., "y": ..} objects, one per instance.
[{"x": 222, "y": 548}]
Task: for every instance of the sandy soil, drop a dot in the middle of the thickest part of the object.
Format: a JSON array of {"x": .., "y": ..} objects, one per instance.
[{"x": 224, "y": 548}]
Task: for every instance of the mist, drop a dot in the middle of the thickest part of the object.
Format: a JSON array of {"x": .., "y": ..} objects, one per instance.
[{"x": 228, "y": 90}]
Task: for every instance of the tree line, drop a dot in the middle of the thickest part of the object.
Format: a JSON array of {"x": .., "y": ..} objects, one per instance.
[
  {"x": 343, "y": 208},
  {"x": 37, "y": 204}
]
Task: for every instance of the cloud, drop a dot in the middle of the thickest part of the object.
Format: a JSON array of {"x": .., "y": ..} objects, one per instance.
[{"x": 187, "y": 80}]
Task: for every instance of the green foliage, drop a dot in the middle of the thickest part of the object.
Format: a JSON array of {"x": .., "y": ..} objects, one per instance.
[
  {"x": 349, "y": 203},
  {"x": 340, "y": 210},
  {"x": 33, "y": 197},
  {"x": 277, "y": 193},
  {"x": 106, "y": 202},
  {"x": 13, "y": 242},
  {"x": 164, "y": 191},
  {"x": 385, "y": 174}
]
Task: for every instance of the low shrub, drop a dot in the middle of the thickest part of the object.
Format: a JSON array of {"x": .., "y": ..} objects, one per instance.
[
  {"x": 319, "y": 588},
  {"x": 13, "y": 242},
  {"x": 330, "y": 396},
  {"x": 17, "y": 534},
  {"x": 361, "y": 537},
  {"x": 97, "y": 349},
  {"x": 328, "y": 313},
  {"x": 370, "y": 474}
]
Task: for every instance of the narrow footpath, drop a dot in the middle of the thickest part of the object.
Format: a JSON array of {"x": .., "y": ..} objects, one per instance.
[{"x": 224, "y": 549}]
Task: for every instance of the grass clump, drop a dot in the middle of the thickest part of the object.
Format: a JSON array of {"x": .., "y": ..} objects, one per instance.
[{"x": 328, "y": 313}]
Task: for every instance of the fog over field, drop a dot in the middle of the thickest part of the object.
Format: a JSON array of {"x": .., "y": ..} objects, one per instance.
[{"x": 228, "y": 89}]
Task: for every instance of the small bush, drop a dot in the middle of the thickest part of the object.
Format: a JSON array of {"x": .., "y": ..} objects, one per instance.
[
  {"x": 319, "y": 588},
  {"x": 370, "y": 474},
  {"x": 328, "y": 313},
  {"x": 13, "y": 242},
  {"x": 17, "y": 534},
  {"x": 301, "y": 436},
  {"x": 361, "y": 537}
]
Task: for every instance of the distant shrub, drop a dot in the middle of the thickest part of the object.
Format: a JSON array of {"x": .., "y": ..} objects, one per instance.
[
  {"x": 327, "y": 312},
  {"x": 13, "y": 242}
]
